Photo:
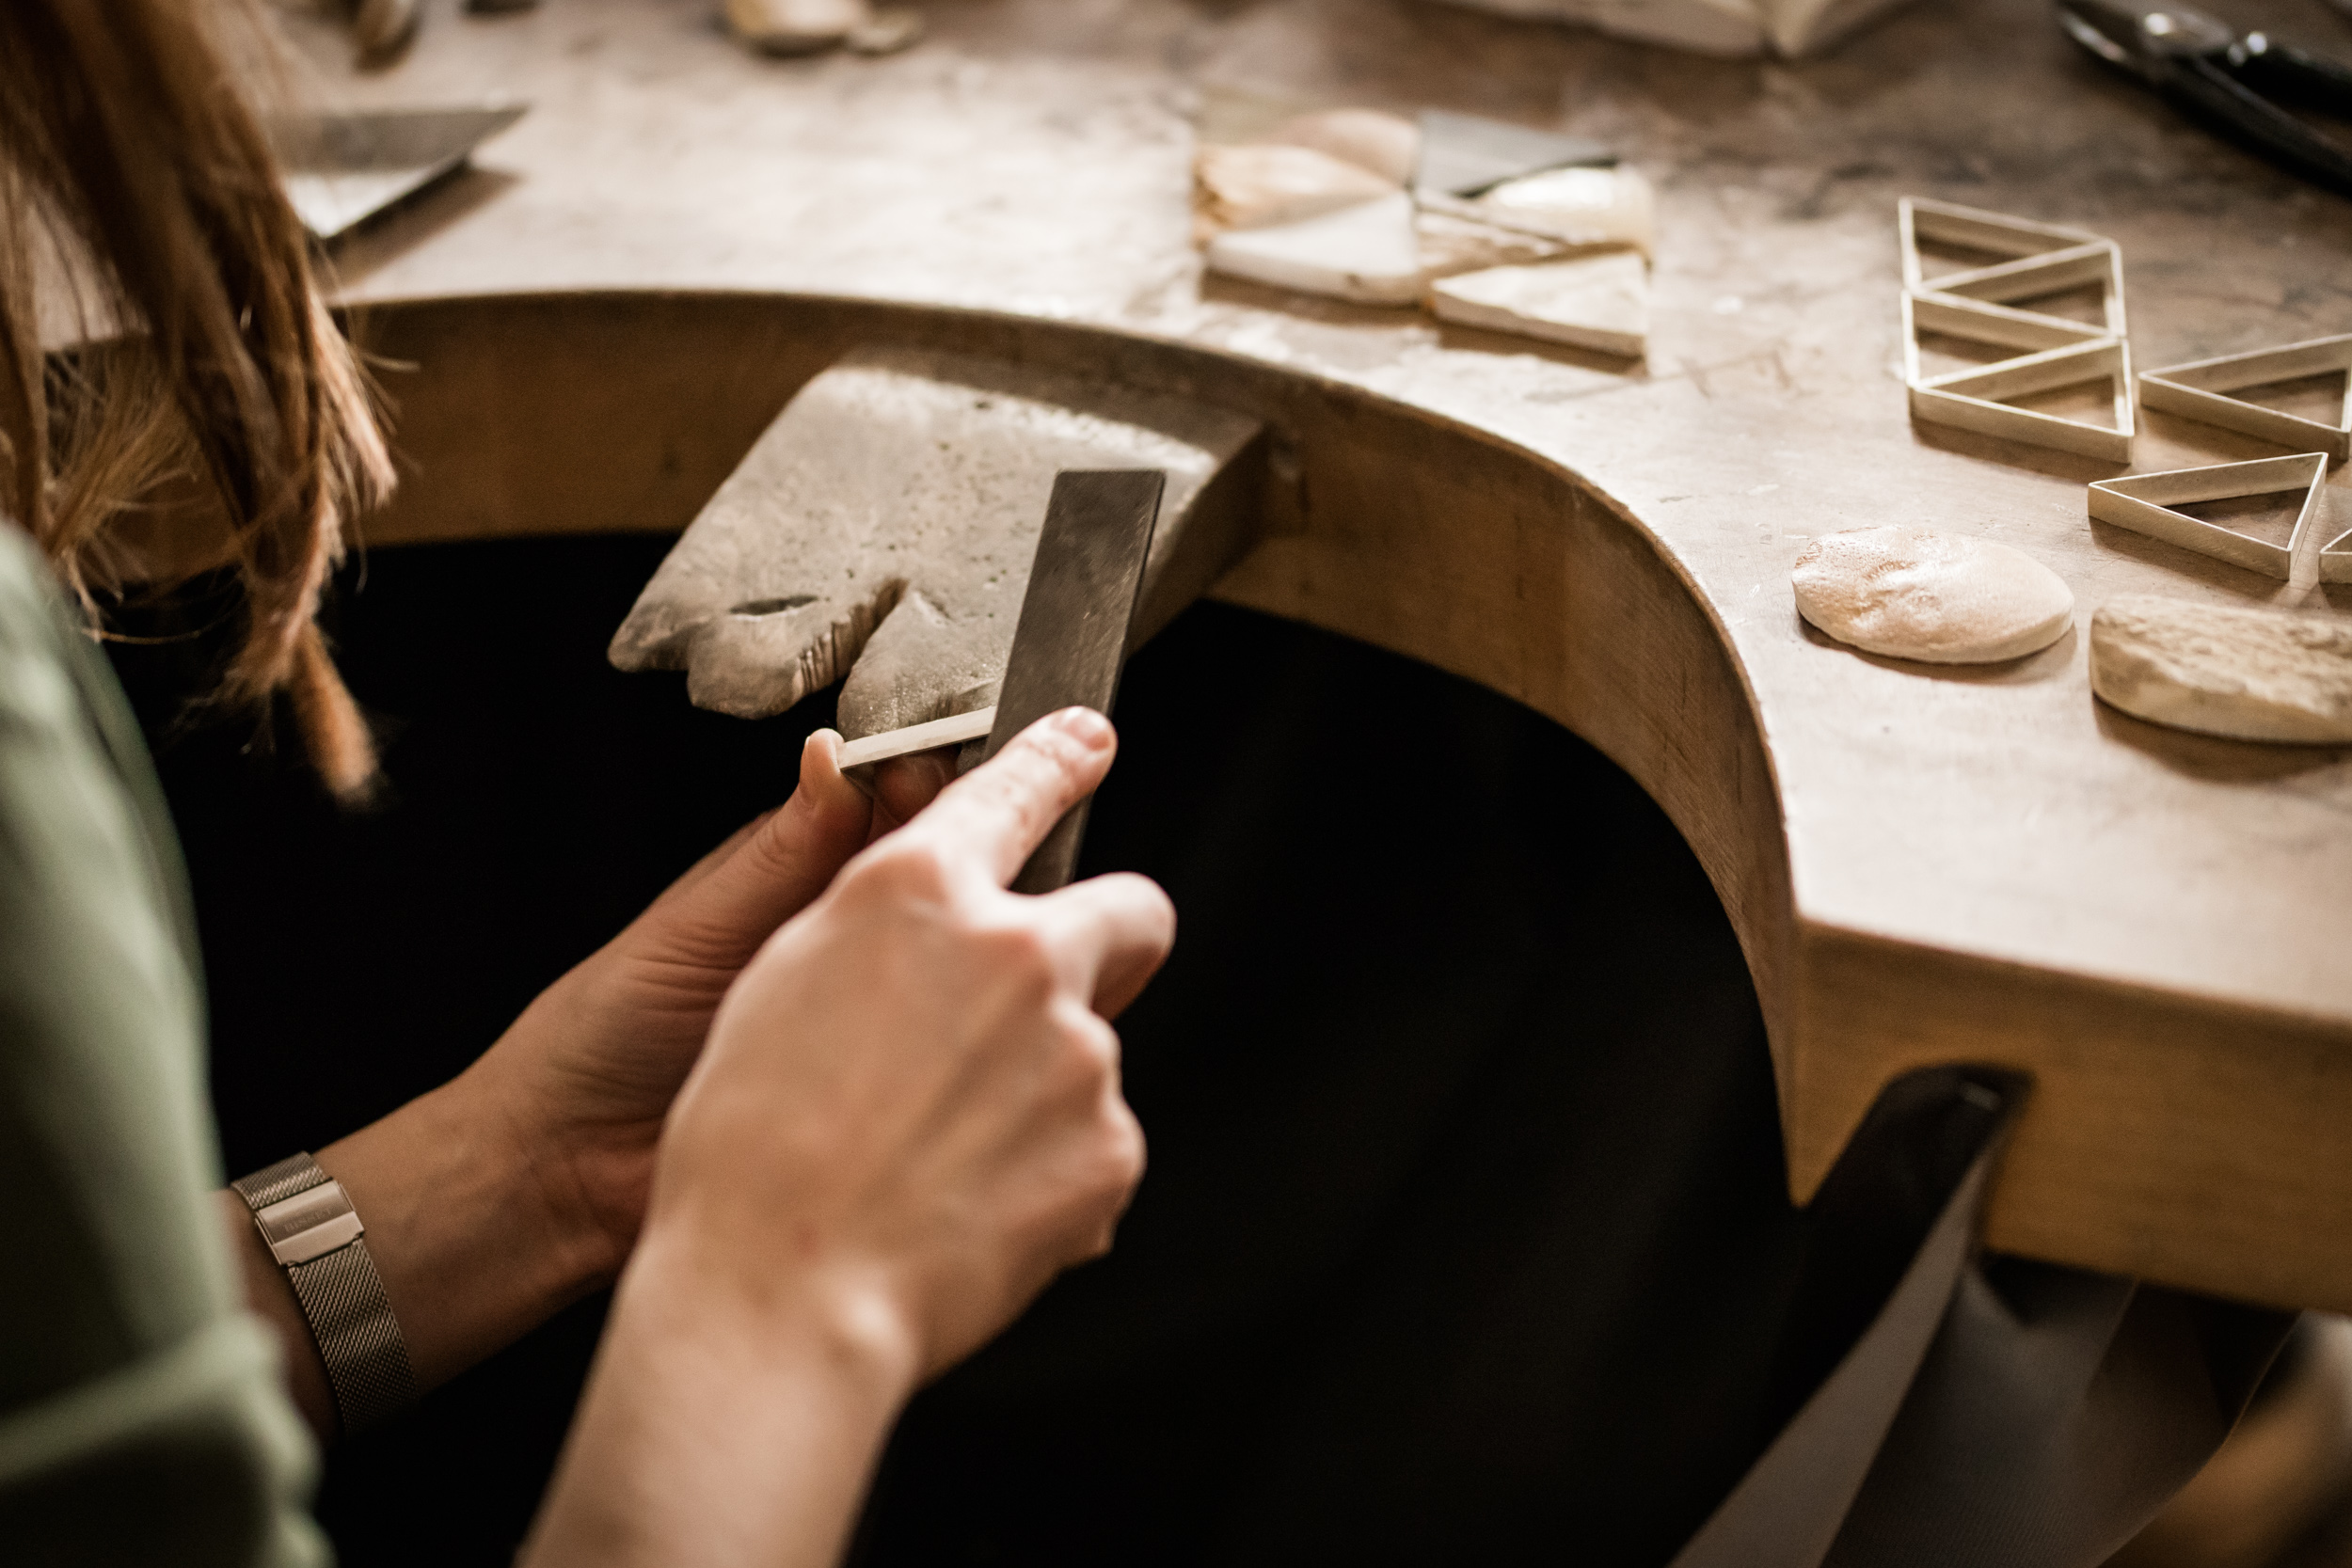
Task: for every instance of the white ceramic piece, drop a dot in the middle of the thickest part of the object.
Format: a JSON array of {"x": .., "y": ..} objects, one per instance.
[
  {"x": 1977, "y": 400},
  {"x": 1383, "y": 144},
  {"x": 1940, "y": 598},
  {"x": 1729, "y": 28},
  {"x": 1452, "y": 244},
  {"x": 1367, "y": 253},
  {"x": 2250, "y": 674},
  {"x": 2144, "y": 503},
  {"x": 1801, "y": 27},
  {"x": 796, "y": 27},
  {"x": 885, "y": 32},
  {"x": 1464, "y": 156},
  {"x": 1579, "y": 205},
  {"x": 1733, "y": 28},
  {"x": 2199, "y": 390},
  {"x": 1596, "y": 302},
  {"x": 1262, "y": 185}
]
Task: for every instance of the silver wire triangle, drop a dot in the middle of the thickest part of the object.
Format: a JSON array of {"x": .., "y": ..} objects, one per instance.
[
  {"x": 2100, "y": 263},
  {"x": 1978, "y": 399},
  {"x": 2200, "y": 390},
  {"x": 1922, "y": 218},
  {"x": 1919, "y": 218},
  {"x": 2144, "y": 503},
  {"x": 1977, "y": 322},
  {"x": 1988, "y": 305}
]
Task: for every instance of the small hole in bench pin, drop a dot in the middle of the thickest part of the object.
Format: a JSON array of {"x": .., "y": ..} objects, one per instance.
[{"x": 772, "y": 607}]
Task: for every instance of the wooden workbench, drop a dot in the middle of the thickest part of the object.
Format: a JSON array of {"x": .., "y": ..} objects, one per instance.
[{"x": 1923, "y": 864}]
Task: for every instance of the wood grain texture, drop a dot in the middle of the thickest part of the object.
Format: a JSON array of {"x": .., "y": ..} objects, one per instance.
[{"x": 1921, "y": 863}]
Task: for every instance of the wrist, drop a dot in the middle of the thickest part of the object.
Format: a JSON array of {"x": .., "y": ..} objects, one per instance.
[
  {"x": 726, "y": 1423},
  {"x": 472, "y": 1252},
  {"x": 834, "y": 1311},
  {"x": 591, "y": 1164},
  {"x": 587, "y": 1180},
  {"x": 270, "y": 1296}
]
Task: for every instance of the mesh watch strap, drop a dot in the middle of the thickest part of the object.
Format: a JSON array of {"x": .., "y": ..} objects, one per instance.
[{"x": 311, "y": 1229}]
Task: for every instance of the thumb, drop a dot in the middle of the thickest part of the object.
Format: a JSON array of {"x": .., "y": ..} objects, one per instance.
[{"x": 770, "y": 871}]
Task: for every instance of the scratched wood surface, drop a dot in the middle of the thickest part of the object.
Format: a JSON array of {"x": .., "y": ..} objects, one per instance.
[{"x": 1924, "y": 865}]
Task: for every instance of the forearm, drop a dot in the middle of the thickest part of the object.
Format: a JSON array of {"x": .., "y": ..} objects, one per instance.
[
  {"x": 471, "y": 1251},
  {"x": 719, "y": 1430},
  {"x": 271, "y": 1298}
]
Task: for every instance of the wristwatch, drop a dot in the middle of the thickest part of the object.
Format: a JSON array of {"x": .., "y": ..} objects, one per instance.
[{"x": 309, "y": 1225}]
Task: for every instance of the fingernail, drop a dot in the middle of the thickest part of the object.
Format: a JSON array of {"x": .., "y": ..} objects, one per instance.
[{"x": 1085, "y": 726}]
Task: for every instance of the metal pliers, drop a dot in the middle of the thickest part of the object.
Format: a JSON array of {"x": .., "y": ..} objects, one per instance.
[{"x": 2235, "y": 85}]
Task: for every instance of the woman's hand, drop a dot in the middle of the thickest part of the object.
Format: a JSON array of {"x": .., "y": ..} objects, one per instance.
[
  {"x": 907, "y": 1120},
  {"x": 588, "y": 1072},
  {"x": 518, "y": 1187},
  {"x": 912, "y": 1090}
]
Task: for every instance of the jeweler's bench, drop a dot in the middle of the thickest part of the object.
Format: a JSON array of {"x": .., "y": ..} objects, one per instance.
[{"x": 1924, "y": 865}]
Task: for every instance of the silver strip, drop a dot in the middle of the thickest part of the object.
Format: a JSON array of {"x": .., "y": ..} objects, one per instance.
[{"x": 953, "y": 730}]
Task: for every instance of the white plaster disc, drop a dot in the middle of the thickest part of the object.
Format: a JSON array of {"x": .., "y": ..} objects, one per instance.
[
  {"x": 1942, "y": 598},
  {"x": 2251, "y": 674}
]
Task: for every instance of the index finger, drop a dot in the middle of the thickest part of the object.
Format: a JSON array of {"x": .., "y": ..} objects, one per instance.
[
  {"x": 1000, "y": 811},
  {"x": 904, "y": 785}
]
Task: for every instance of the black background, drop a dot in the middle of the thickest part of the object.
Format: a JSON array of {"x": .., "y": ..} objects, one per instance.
[{"x": 1465, "y": 1235}]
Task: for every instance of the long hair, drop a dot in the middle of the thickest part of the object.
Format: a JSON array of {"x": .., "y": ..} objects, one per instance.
[{"x": 131, "y": 166}]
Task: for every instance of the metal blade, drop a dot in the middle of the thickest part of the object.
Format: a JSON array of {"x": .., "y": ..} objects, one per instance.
[
  {"x": 1072, "y": 638},
  {"x": 341, "y": 169},
  {"x": 1462, "y": 155}
]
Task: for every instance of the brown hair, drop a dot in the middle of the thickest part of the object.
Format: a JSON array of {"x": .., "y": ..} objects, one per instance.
[{"x": 127, "y": 151}]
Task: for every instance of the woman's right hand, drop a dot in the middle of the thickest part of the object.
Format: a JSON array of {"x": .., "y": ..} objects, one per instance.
[
  {"x": 911, "y": 1093},
  {"x": 907, "y": 1119}
]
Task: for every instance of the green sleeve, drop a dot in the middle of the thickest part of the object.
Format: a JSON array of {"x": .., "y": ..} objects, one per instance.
[{"x": 141, "y": 1417}]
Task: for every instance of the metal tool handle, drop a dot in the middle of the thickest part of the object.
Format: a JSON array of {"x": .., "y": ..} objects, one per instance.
[
  {"x": 2289, "y": 73},
  {"x": 2208, "y": 88}
]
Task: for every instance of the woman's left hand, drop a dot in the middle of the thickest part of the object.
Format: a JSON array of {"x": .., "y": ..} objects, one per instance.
[
  {"x": 588, "y": 1072},
  {"x": 519, "y": 1185}
]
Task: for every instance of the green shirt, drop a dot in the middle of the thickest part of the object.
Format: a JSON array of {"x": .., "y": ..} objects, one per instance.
[{"x": 141, "y": 1416}]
